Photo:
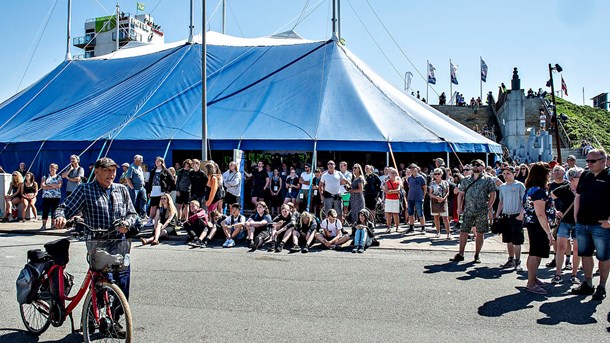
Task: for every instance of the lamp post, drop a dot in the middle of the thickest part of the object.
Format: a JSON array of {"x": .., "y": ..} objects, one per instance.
[{"x": 558, "y": 68}]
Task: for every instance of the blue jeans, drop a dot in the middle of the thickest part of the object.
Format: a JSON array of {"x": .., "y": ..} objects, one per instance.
[
  {"x": 413, "y": 205},
  {"x": 593, "y": 237},
  {"x": 139, "y": 199},
  {"x": 360, "y": 237}
]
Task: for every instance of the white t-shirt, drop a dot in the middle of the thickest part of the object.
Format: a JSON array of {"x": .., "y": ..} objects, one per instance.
[
  {"x": 232, "y": 220},
  {"x": 348, "y": 176},
  {"x": 156, "y": 189},
  {"x": 332, "y": 182},
  {"x": 306, "y": 178},
  {"x": 333, "y": 228}
]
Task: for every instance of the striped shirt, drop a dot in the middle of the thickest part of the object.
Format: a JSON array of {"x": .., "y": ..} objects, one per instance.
[{"x": 100, "y": 207}]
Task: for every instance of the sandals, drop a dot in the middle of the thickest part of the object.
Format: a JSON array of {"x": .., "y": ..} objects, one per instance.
[
  {"x": 143, "y": 241},
  {"x": 154, "y": 242}
]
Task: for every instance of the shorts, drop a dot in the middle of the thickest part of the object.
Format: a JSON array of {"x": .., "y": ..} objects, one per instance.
[
  {"x": 512, "y": 230},
  {"x": 258, "y": 193},
  {"x": 539, "y": 241},
  {"x": 345, "y": 197},
  {"x": 392, "y": 206},
  {"x": 593, "y": 237},
  {"x": 413, "y": 205},
  {"x": 183, "y": 198},
  {"x": 293, "y": 194},
  {"x": 566, "y": 230},
  {"x": 154, "y": 201},
  {"x": 476, "y": 219},
  {"x": 240, "y": 236}
]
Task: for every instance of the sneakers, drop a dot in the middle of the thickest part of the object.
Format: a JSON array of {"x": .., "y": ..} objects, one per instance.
[
  {"x": 337, "y": 247},
  {"x": 551, "y": 264},
  {"x": 279, "y": 247},
  {"x": 149, "y": 222},
  {"x": 574, "y": 280},
  {"x": 196, "y": 242},
  {"x": 361, "y": 249},
  {"x": 272, "y": 248},
  {"x": 568, "y": 266},
  {"x": 423, "y": 230},
  {"x": 476, "y": 259},
  {"x": 600, "y": 294},
  {"x": 457, "y": 258},
  {"x": 231, "y": 243},
  {"x": 255, "y": 244},
  {"x": 410, "y": 229},
  {"x": 305, "y": 250},
  {"x": 355, "y": 250},
  {"x": 295, "y": 248},
  {"x": 518, "y": 267},
  {"x": 556, "y": 279},
  {"x": 536, "y": 289},
  {"x": 509, "y": 264},
  {"x": 584, "y": 289}
]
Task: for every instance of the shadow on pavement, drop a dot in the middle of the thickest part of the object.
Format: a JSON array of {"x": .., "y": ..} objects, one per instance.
[
  {"x": 569, "y": 310},
  {"x": 485, "y": 273},
  {"x": 22, "y": 336},
  {"x": 449, "y": 267},
  {"x": 432, "y": 241},
  {"x": 509, "y": 303}
]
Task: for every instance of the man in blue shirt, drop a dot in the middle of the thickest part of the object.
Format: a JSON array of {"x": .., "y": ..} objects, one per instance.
[
  {"x": 134, "y": 180},
  {"x": 415, "y": 198}
]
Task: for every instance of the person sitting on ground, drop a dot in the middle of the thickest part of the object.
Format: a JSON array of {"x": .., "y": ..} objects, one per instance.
[
  {"x": 233, "y": 226},
  {"x": 214, "y": 225},
  {"x": 29, "y": 192},
  {"x": 161, "y": 182},
  {"x": 196, "y": 224},
  {"x": 165, "y": 221},
  {"x": 332, "y": 236},
  {"x": 281, "y": 224},
  {"x": 304, "y": 232},
  {"x": 13, "y": 197},
  {"x": 363, "y": 231},
  {"x": 256, "y": 224}
]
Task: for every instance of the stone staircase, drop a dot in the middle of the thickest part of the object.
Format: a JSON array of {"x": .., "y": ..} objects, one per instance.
[
  {"x": 466, "y": 115},
  {"x": 580, "y": 160}
]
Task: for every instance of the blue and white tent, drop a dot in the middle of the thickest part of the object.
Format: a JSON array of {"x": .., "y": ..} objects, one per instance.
[{"x": 272, "y": 93}]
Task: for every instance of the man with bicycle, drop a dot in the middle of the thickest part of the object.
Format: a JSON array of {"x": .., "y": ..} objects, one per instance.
[{"x": 104, "y": 205}]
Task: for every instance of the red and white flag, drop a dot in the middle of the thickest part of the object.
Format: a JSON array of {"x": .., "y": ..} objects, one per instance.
[{"x": 564, "y": 88}]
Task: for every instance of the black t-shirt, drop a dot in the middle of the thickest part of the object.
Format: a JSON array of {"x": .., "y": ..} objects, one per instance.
[
  {"x": 552, "y": 187},
  {"x": 566, "y": 199},
  {"x": 257, "y": 218},
  {"x": 594, "y": 197},
  {"x": 198, "y": 182},
  {"x": 259, "y": 178}
]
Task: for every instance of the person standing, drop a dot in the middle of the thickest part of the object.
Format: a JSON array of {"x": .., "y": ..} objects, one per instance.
[
  {"x": 357, "y": 197},
  {"x": 344, "y": 189},
  {"x": 161, "y": 181},
  {"x": 439, "y": 206},
  {"x": 305, "y": 182},
  {"x": 391, "y": 188},
  {"x": 183, "y": 190},
  {"x": 134, "y": 180},
  {"x": 75, "y": 174},
  {"x": 557, "y": 174},
  {"x": 198, "y": 181},
  {"x": 415, "y": 198},
  {"x": 476, "y": 197},
  {"x": 22, "y": 170},
  {"x": 232, "y": 182},
  {"x": 51, "y": 194},
  {"x": 372, "y": 188},
  {"x": 330, "y": 187},
  {"x": 592, "y": 215},
  {"x": 510, "y": 216},
  {"x": 539, "y": 212}
]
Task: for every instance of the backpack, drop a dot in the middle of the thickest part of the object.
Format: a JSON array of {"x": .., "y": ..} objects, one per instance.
[{"x": 28, "y": 281}]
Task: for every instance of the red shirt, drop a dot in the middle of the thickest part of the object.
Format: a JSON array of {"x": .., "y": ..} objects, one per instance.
[{"x": 392, "y": 185}]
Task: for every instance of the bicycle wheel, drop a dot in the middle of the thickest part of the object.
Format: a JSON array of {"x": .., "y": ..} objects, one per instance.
[
  {"x": 35, "y": 316},
  {"x": 114, "y": 315}
]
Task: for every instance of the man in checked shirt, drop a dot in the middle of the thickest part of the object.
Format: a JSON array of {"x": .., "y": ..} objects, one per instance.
[{"x": 101, "y": 203}]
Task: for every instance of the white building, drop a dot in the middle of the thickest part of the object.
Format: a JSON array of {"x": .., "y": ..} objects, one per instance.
[{"x": 100, "y": 34}]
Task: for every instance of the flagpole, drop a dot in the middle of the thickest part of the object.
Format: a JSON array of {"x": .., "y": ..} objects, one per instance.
[
  {"x": 481, "y": 78},
  {"x": 583, "y": 96},
  {"x": 428, "y": 80},
  {"x": 450, "y": 82}
]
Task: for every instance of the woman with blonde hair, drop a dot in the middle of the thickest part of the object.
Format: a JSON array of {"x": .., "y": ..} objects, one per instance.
[
  {"x": 165, "y": 220},
  {"x": 29, "y": 192},
  {"x": 305, "y": 232},
  {"x": 356, "y": 200},
  {"x": 391, "y": 188},
  {"x": 13, "y": 197},
  {"x": 214, "y": 189},
  {"x": 161, "y": 181},
  {"x": 51, "y": 194}
]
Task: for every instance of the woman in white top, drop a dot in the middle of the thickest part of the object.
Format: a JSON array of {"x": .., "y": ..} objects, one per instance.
[
  {"x": 439, "y": 191},
  {"x": 332, "y": 234}
]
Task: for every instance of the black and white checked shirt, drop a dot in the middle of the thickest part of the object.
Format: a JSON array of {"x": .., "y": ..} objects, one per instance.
[{"x": 100, "y": 207}]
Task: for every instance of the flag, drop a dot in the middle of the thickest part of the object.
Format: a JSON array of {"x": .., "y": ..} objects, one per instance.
[
  {"x": 408, "y": 78},
  {"x": 140, "y": 6},
  {"x": 564, "y": 87},
  {"x": 454, "y": 69},
  {"x": 483, "y": 71},
  {"x": 431, "y": 76}
]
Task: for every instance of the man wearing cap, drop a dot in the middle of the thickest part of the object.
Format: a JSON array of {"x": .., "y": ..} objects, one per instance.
[
  {"x": 570, "y": 163},
  {"x": 102, "y": 203},
  {"x": 592, "y": 213},
  {"x": 476, "y": 197},
  {"x": 415, "y": 198},
  {"x": 125, "y": 167},
  {"x": 510, "y": 216},
  {"x": 134, "y": 180}
]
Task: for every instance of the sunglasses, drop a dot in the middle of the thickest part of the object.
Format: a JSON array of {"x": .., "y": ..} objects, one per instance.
[
  {"x": 467, "y": 169},
  {"x": 438, "y": 173},
  {"x": 163, "y": 198},
  {"x": 593, "y": 161}
]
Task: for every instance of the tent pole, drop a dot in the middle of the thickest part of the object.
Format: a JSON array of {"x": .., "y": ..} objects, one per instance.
[
  {"x": 334, "y": 20},
  {"x": 117, "y": 26},
  {"x": 447, "y": 159},
  {"x": 192, "y": 25},
  {"x": 204, "y": 102},
  {"x": 224, "y": 15},
  {"x": 387, "y": 158},
  {"x": 314, "y": 163},
  {"x": 339, "y": 19},
  {"x": 98, "y": 157},
  {"x": 487, "y": 159},
  {"x": 68, "y": 55}
]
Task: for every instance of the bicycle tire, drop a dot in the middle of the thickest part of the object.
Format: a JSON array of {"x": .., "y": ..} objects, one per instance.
[
  {"x": 101, "y": 331},
  {"x": 36, "y": 316}
]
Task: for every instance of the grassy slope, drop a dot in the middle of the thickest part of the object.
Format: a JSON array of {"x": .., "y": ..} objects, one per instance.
[{"x": 584, "y": 122}]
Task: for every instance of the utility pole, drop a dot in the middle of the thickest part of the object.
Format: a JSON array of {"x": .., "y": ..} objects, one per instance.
[
  {"x": 334, "y": 19},
  {"x": 557, "y": 141},
  {"x": 192, "y": 24},
  {"x": 204, "y": 102},
  {"x": 224, "y": 15},
  {"x": 117, "y": 26},
  {"x": 68, "y": 55}
]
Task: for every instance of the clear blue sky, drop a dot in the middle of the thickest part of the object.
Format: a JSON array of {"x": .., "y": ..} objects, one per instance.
[{"x": 507, "y": 34}]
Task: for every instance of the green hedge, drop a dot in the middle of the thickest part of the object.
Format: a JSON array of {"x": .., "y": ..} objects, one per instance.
[{"x": 584, "y": 122}]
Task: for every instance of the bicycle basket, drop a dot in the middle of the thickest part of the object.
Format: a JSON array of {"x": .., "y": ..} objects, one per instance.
[{"x": 108, "y": 255}]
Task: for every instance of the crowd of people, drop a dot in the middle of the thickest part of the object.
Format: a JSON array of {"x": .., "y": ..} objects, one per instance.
[{"x": 561, "y": 206}]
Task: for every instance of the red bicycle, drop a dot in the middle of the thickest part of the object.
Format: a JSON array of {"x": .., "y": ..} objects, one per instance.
[{"x": 106, "y": 315}]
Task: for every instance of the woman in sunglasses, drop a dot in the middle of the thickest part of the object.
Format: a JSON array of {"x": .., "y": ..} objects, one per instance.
[{"x": 165, "y": 221}]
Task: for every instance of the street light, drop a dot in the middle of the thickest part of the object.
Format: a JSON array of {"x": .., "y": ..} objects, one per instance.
[{"x": 559, "y": 69}]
